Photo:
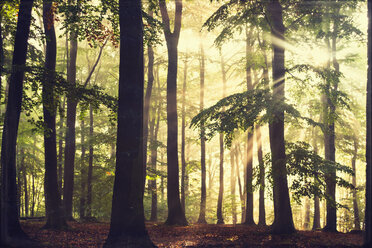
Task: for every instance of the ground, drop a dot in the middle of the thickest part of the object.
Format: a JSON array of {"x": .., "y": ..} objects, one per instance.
[{"x": 94, "y": 234}]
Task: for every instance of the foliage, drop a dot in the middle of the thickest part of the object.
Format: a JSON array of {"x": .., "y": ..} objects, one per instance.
[
  {"x": 308, "y": 172},
  {"x": 240, "y": 112}
]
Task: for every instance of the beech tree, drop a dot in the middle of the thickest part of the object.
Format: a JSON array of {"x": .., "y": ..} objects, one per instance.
[
  {"x": 176, "y": 215},
  {"x": 54, "y": 213},
  {"x": 11, "y": 233},
  {"x": 127, "y": 226}
]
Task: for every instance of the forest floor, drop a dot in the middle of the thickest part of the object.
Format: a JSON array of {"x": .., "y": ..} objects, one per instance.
[{"x": 94, "y": 234}]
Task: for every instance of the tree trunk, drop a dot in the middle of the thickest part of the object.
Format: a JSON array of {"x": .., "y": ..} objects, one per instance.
[
  {"x": 147, "y": 102},
  {"x": 70, "y": 143},
  {"x": 90, "y": 165},
  {"x": 329, "y": 136},
  {"x": 368, "y": 209},
  {"x": 54, "y": 211},
  {"x": 24, "y": 174},
  {"x": 154, "y": 157},
  {"x": 82, "y": 173},
  {"x": 306, "y": 225},
  {"x": 220, "y": 192},
  {"x": 176, "y": 215},
  {"x": 355, "y": 199},
  {"x": 261, "y": 202},
  {"x": 127, "y": 227},
  {"x": 233, "y": 184},
  {"x": 316, "y": 218},
  {"x": 283, "y": 222},
  {"x": 241, "y": 194},
  {"x": 249, "y": 163},
  {"x": 60, "y": 145},
  {"x": 2, "y": 55},
  {"x": 10, "y": 228},
  {"x": 203, "y": 197},
  {"x": 183, "y": 136}
]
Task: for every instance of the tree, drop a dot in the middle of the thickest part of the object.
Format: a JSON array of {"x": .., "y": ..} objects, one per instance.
[
  {"x": 127, "y": 226},
  {"x": 283, "y": 222},
  {"x": 203, "y": 189},
  {"x": 368, "y": 210},
  {"x": 176, "y": 215},
  {"x": 221, "y": 188},
  {"x": 183, "y": 136},
  {"x": 70, "y": 144},
  {"x": 90, "y": 165},
  {"x": 11, "y": 232},
  {"x": 54, "y": 213}
]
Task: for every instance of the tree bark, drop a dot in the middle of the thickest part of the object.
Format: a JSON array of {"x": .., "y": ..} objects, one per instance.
[
  {"x": 183, "y": 136},
  {"x": 283, "y": 220},
  {"x": 241, "y": 194},
  {"x": 233, "y": 184},
  {"x": 60, "y": 145},
  {"x": 368, "y": 209},
  {"x": 249, "y": 163},
  {"x": 306, "y": 225},
  {"x": 90, "y": 165},
  {"x": 203, "y": 197},
  {"x": 329, "y": 135},
  {"x": 147, "y": 102},
  {"x": 54, "y": 211},
  {"x": 176, "y": 215},
  {"x": 127, "y": 227},
  {"x": 154, "y": 157},
  {"x": 355, "y": 199},
  {"x": 82, "y": 173},
  {"x": 261, "y": 201},
  {"x": 2, "y": 55},
  {"x": 10, "y": 228},
  {"x": 70, "y": 143},
  {"x": 25, "y": 185},
  {"x": 221, "y": 188}
]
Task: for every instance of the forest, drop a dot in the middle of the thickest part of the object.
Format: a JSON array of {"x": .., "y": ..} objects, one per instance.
[{"x": 181, "y": 123}]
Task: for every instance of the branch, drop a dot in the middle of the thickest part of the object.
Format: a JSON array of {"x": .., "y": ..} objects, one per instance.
[
  {"x": 178, "y": 18},
  {"x": 96, "y": 63},
  {"x": 164, "y": 17}
]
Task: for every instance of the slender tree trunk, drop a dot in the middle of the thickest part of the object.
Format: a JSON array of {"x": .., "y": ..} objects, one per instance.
[
  {"x": 54, "y": 212},
  {"x": 221, "y": 189},
  {"x": 329, "y": 138},
  {"x": 33, "y": 196},
  {"x": 90, "y": 165},
  {"x": 306, "y": 225},
  {"x": 203, "y": 198},
  {"x": 70, "y": 143},
  {"x": 24, "y": 174},
  {"x": 2, "y": 55},
  {"x": 82, "y": 173},
  {"x": 241, "y": 194},
  {"x": 316, "y": 218},
  {"x": 249, "y": 163},
  {"x": 183, "y": 136},
  {"x": 262, "y": 213},
  {"x": 150, "y": 81},
  {"x": 10, "y": 228},
  {"x": 127, "y": 227},
  {"x": 355, "y": 199},
  {"x": 233, "y": 184},
  {"x": 176, "y": 215},
  {"x": 283, "y": 222},
  {"x": 154, "y": 157},
  {"x": 60, "y": 145},
  {"x": 368, "y": 208}
]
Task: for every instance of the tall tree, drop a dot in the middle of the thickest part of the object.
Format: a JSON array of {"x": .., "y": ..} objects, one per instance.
[
  {"x": 54, "y": 213},
  {"x": 355, "y": 200},
  {"x": 261, "y": 201},
  {"x": 150, "y": 81},
  {"x": 221, "y": 188},
  {"x": 249, "y": 163},
  {"x": 368, "y": 210},
  {"x": 82, "y": 173},
  {"x": 11, "y": 232},
  {"x": 176, "y": 215},
  {"x": 233, "y": 184},
  {"x": 90, "y": 165},
  {"x": 203, "y": 191},
  {"x": 183, "y": 135},
  {"x": 127, "y": 227},
  {"x": 283, "y": 222},
  {"x": 70, "y": 143}
]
